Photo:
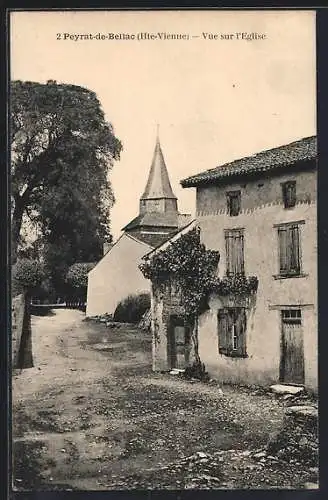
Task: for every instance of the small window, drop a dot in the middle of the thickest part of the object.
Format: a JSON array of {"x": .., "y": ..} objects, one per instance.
[
  {"x": 232, "y": 331},
  {"x": 234, "y": 243},
  {"x": 289, "y": 250},
  {"x": 234, "y": 202},
  {"x": 289, "y": 194},
  {"x": 291, "y": 316}
]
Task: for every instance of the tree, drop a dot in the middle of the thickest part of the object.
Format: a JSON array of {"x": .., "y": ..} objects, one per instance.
[
  {"x": 62, "y": 152},
  {"x": 77, "y": 279}
]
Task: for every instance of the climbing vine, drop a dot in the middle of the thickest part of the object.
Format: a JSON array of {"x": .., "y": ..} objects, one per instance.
[{"x": 193, "y": 269}]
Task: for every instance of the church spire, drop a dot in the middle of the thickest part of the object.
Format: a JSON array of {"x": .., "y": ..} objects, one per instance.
[{"x": 158, "y": 185}]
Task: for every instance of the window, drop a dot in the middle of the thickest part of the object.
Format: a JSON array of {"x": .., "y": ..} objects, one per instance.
[
  {"x": 234, "y": 241},
  {"x": 289, "y": 194},
  {"x": 233, "y": 202},
  {"x": 291, "y": 316},
  {"x": 289, "y": 250},
  {"x": 232, "y": 331}
]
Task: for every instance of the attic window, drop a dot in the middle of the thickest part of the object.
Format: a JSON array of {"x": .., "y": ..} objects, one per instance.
[
  {"x": 234, "y": 202},
  {"x": 289, "y": 194}
]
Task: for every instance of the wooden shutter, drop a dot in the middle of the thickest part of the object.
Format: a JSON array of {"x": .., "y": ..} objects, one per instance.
[
  {"x": 229, "y": 252},
  {"x": 283, "y": 249},
  {"x": 223, "y": 330},
  {"x": 289, "y": 249},
  {"x": 294, "y": 249},
  {"x": 240, "y": 324},
  {"x": 239, "y": 253},
  {"x": 234, "y": 240}
]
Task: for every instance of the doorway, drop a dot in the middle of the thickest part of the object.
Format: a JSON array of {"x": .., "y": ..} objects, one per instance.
[
  {"x": 292, "y": 350},
  {"x": 179, "y": 343}
]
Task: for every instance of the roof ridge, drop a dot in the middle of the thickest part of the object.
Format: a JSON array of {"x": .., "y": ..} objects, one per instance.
[
  {"x": 291, "y": 153},
  {"x": 254, "y": 155}
]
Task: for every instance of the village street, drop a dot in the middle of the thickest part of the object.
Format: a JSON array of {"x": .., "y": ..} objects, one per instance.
[{"x": 91, "y": 415}]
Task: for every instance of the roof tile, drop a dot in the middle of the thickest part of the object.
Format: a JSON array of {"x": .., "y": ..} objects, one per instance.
[{"x": 282, "y": 156}]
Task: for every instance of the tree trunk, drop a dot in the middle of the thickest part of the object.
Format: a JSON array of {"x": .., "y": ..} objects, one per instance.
[
  {"x": 195, "y": 340},
  {"x": 25, "y": 357},
  {"x": 16, "y": 225}
]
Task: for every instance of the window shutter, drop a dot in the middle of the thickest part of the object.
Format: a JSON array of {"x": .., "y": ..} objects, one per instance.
[
  {"x": 223, "y": 330},
  {"x": 294, "y": 249},
  {"x": 283, "y": 249},
  {"x": 241, "y": 330},
  {"x": 234, "y": 241},
  {"x": 239, "y": 244},
  {"x": 228, "y": 242}
]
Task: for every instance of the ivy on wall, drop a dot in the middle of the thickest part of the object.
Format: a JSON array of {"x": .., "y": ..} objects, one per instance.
[
  {"x": 193, "y": 270},
  {"x": 192, "y": 267}
]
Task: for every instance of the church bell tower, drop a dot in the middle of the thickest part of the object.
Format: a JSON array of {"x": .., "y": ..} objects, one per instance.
[{"x": 158, "y": 206}]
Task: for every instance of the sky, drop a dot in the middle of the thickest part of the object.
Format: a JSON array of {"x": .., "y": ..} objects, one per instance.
[{"x": 215, "y": 99}]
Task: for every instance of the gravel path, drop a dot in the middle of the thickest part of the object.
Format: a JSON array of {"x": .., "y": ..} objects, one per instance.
[{"x": 91, "y": 415}]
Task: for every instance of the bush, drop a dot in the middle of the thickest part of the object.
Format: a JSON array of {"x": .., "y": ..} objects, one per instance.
[
  {"x": 77, "y": 275},
  {"x": 132, "y": 308},
  {"x": 27, "y": 275}
]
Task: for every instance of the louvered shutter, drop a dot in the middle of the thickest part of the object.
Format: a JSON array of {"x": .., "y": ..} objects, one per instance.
[
  {"x": 229, "y": 252},
  {"x": 283, "y": 249},
  {"x": 239, "y": 252},
  {"x": 223, "y": 330},
  {"x": 240, "y": 324},
  {"x": 294, "y": 249}
]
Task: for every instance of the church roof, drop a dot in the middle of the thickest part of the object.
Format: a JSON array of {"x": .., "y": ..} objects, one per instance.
[
  {"x": 153, "y": 219},
  {"x": 158, "y": 184}
]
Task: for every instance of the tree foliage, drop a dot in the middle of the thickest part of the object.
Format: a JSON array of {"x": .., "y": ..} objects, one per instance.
[
  {"x": 62, "y": 151},
  {"x": 187, "y": 264},
  {"x": 27, "y": 275},
  {"x": 192, "y": 268},
  {"x": 77, "y": 275}
]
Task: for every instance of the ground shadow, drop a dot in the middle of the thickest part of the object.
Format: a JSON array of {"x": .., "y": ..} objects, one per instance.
[{"x": 37, "y": 310}]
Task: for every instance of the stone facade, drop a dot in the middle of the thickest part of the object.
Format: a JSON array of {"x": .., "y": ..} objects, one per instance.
[
  {"x": 279, "y": 319},
  {"x": 262, "y": 210},
  {"x": 167, "y": 312}
]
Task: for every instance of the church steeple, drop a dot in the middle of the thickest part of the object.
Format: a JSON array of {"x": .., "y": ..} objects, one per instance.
[
  {"x": 158, "y": 212},
  {"x": 158, "y": 186}
]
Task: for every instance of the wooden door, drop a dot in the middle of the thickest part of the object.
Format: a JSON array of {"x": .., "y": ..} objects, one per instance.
[
  {"x": 292, "y": 351},
  {"x": 179, "y": 345}
]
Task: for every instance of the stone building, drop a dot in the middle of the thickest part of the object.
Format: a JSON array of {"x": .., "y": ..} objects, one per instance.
[
  {"x": 117, "y": 274},
  {"x": 259, "y": 212}
]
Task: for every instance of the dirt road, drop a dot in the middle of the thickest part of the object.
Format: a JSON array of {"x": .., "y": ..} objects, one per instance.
[{"x": 91, "y": 415}]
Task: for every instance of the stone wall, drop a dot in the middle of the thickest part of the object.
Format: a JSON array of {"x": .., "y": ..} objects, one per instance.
[
  {"x": 17, "y": 317},
  {"x": 165, "y": 301},
  {"x": 255, "y": 194}
]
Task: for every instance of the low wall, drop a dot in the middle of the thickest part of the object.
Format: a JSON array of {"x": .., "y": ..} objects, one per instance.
[{"x": 17, "y": 317}]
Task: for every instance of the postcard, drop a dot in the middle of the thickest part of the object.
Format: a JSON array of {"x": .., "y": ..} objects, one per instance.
[{"x": 164, "y": 250}]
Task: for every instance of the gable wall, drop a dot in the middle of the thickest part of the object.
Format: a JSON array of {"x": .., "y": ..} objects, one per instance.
[{"x": 116, "y": 276}]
